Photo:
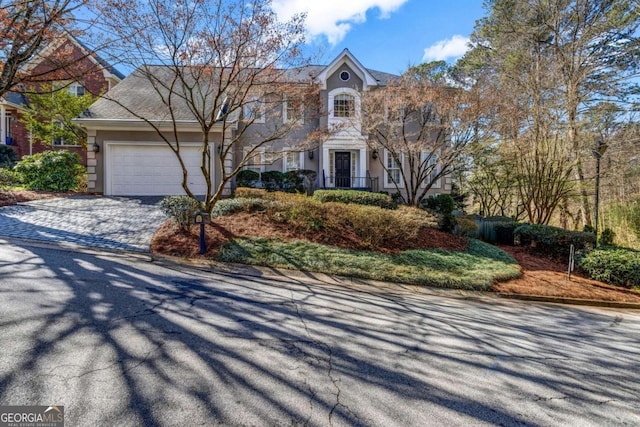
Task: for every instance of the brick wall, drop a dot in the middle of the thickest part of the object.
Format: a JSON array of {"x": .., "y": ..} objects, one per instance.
[{"x": 84, "y": 71}]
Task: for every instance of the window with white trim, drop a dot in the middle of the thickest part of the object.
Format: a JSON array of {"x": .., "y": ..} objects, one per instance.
[
  {"x": 433, "y": 167},
  {"x": 59, "y": 141},
  {"x": 255, "y": 162},
  {"x": 344, "y": 105},
  {"x": 292, "y": 160},
  {"x": 76, "y": 89},
  {"x": 254, "y": 110},
  {"x": 392, "y": 173},
  {"x": 293, "y": 110}
]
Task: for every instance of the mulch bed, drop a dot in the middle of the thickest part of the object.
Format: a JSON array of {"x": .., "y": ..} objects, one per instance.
[
  {"x": 548, "y": 277},
  {"x": 170, "y": 240}
]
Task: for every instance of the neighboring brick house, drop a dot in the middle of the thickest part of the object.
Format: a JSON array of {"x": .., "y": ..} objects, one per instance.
[
  {"x": 64, "y": 61},
  {"x": 131, "y": 159}
]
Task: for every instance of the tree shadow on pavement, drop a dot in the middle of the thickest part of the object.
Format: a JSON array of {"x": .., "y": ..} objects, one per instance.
[{"x": 118, "y": 342}]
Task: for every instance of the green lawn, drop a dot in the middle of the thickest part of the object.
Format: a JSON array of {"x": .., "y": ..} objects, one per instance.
[{"x": 475, "y": 269}]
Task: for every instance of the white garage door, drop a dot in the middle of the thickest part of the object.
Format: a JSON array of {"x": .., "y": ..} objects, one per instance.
[{"x": 151, "y": 170}]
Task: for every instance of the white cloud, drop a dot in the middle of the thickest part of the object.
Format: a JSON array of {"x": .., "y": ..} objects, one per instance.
[
  {"x": 334, "y": 18},
  {"x": 454, "y": 47}
]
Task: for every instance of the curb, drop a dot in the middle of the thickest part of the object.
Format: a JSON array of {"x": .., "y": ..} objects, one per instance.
[{"x": 570, "y": 301}]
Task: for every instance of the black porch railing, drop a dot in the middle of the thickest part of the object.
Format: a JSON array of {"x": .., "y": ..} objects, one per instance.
[{"x": 366, "y": 183}]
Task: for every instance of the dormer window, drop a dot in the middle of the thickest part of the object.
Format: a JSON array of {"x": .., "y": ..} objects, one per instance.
[{"x": 344, "y": 105}]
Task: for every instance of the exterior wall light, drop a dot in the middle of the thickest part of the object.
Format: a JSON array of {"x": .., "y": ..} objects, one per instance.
[
  {"x": 374, "y": 154},
  {"x": 96, "y": 147}
]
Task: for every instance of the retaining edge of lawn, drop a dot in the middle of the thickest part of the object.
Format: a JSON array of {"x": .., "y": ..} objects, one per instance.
[{"x": 570, "y": 301}]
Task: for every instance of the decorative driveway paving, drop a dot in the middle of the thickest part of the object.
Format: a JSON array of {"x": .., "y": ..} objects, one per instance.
[{"x": 92, "y": 221}]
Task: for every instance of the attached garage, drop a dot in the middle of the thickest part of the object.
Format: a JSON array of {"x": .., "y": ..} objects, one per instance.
[{"x": 150, "y": 169}]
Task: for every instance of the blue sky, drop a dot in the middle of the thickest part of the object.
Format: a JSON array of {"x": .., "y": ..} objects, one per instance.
[{"x": 387, "y": 35}]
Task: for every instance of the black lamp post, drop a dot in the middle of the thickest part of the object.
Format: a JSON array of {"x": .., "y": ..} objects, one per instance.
[{"x": 597, "y": 152}]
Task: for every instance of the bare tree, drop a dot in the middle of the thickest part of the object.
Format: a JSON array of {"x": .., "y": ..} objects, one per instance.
[
  {"x": 424, "y": 126},
  {"x": 26, "y": 26},
  {"x": 224, "y": 64}
]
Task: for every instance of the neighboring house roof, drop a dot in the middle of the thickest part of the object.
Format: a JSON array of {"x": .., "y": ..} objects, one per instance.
[
  {"x": 101, "y": 61},
  {"x": 16, "y": 99},
  {"x": 49, "y": 48}
]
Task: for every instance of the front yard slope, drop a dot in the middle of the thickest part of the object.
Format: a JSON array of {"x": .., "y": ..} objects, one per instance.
[{"x": 477, "y": 268}]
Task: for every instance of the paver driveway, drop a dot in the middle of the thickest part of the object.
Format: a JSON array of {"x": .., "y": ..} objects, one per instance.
[{"x": 92, "y": 221}]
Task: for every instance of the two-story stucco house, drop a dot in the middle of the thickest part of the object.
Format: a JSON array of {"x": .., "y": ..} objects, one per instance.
[
  {"x": 129, "y": 158},
  {"x": 64, "y": 62}
]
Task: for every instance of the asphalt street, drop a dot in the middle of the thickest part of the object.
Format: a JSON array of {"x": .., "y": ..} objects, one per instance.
[{"x": 119, "y": 339}]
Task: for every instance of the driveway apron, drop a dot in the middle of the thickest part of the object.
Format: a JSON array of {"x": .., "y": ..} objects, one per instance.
[{"x": 92, "y": 221}]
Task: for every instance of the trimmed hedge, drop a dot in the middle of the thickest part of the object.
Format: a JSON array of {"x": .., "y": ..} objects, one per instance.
[
  {"x": 7, "y": 179},
  {"x": 246, "y": 178},
  {"x": 253, "y": 193},
  {"x": 443, "y": 206},
  {"x": 272, "y": 180},
  {"x": 230, "y": 206},
  {"x": 181, "y": 209},
  {"x": 57, "y": 170},
  {"x": 373, "y": 225},
  {"x": 355, "y": 197},
  {"x": 293, "y": 181},
  {"x": 617, "y": 266},
  {"x": 553, "y": 240},
  {"x": 8, "y": 157}
]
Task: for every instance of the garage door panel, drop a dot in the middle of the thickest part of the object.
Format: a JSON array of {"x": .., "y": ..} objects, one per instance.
[{"x": 152, "y": 170}]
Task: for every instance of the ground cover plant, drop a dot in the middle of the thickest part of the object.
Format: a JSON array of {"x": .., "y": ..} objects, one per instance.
[{"x": 476, "y": 268}]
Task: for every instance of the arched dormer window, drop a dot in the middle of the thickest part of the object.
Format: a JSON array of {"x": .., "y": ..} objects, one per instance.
[{"x": 344, "y": 102}]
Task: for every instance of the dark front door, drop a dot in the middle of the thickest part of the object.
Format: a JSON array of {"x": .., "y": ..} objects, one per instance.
[{"x": 343, "y": 169}]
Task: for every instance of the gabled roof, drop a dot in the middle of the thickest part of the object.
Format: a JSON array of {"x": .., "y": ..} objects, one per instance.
[
  {"x": 101, "y": 61},
  {"x": 110, "y": 70},
  {"x": 313, "y": 72},
  {"x": 346, "y": 57}
]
